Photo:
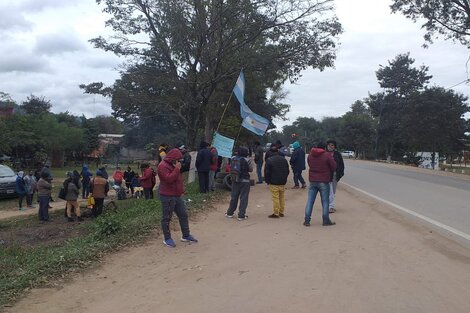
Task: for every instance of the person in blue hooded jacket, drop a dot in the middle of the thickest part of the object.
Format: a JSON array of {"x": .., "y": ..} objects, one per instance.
[
  {"x": 297, "y": 162},
  {"x": 20, "y": 189},
  {"x": 86, "y": 177}
]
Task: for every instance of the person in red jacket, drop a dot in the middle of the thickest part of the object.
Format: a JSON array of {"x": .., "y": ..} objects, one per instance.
[
  {"x": 118, "y": 176},
  {"x": 321, "y": 165},
  {"x": 170, "y": 192},
  {"x": 147, "y": 180}
]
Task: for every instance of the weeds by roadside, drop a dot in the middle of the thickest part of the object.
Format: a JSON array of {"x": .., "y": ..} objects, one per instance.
[{"x": 27, "y": 266}]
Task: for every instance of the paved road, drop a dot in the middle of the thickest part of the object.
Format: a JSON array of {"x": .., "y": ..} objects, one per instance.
[{"x": 445, "y": 199}]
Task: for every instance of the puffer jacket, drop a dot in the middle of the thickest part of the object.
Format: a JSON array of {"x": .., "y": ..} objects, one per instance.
[
  {"x": 171, "y": 180},
  {"x": 276, "y": 170},
  {"x": 321, "y": 165},
  {"x": 72, "y": 191}
]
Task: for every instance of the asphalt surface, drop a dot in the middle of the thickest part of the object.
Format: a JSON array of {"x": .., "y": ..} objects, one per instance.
[{"x": 445, "y": 199}]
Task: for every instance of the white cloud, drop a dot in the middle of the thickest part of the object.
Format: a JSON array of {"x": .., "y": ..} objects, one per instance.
[{"x": 58, "y": 43}]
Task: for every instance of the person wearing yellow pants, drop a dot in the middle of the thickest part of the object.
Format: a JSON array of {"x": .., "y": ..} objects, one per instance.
[{"x": 276, "y": 171}]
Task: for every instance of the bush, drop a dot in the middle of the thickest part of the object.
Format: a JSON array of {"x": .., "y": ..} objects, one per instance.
[{"x": 107, "y": 225}]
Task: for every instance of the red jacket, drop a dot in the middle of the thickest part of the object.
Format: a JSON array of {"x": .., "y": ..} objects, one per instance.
[
  {"x": 171, "y": 181},
  {"x": 214, "y": 159},
  {"x": 118, "y": 176},
  {"x": 146, "y": 178},
  {"x": 321, "y": 165}
]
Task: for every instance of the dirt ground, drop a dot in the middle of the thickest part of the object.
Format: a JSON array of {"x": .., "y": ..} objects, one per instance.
[{"x": 373, "y": 260}]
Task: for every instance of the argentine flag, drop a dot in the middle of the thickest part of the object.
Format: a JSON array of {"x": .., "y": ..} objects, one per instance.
[
  {"x": 255, "y": 123},
  {"x": 239, "y": 91},
  {"x": 251, "y": 121}
]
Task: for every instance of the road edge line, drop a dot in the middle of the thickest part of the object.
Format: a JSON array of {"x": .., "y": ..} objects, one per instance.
[{"x": 435, "y": 223}]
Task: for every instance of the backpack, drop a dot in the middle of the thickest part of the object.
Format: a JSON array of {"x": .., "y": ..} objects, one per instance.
[{"x": 236, "y": 168}]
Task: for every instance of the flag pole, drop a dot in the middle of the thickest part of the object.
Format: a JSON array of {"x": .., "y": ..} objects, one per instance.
[
  {"x": 223, "y": 113},
  {"x": 239, "y": 130}
]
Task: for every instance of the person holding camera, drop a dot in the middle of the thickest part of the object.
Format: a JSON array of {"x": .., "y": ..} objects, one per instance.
[{"x": 170, "y": 192}]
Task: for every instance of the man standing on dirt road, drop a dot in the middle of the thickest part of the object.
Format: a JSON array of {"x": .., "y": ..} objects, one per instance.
[
  {"x": 337, "y": 174},
  {"x": 276, "y": 171},
  {"x": 321, "y": 164},
  {"x": 170, "y": 191}
]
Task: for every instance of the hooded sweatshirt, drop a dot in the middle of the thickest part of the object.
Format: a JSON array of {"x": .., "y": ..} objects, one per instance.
[
  {"x": 171, "y": 181},
  {"x": 20, "y": 185},
  {"x": 321, "y": 165}
]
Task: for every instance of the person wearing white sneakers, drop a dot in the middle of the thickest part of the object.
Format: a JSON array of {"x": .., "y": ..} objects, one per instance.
[{"x": 170, "y": 191}]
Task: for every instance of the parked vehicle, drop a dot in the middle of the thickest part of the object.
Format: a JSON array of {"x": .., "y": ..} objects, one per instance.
[
  {"x": 348, "y": 154},
  {"x": 4, "y": 158},
  {"x": 7, "y": 182}
]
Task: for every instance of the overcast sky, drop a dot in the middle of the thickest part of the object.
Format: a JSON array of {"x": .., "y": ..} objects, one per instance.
[{"x": 45, "y": 51}]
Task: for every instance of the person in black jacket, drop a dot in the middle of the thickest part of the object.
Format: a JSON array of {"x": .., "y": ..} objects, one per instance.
[
  {"x": 203, "y": 166},
  {"x": 336, "y": 175},
  {"x": 297, "y": 162},
  {"x": 276, "y": 171}
]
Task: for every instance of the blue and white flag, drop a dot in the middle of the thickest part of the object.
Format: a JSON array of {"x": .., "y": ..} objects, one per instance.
[
  {"x": 239, "y": 91},
  {"x": 255, "y": 123},
  {"x": 251, "y": 121}
]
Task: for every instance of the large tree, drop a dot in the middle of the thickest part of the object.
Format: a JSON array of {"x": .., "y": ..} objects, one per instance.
[
  {"x": 184, "y": 54},
  {"x": 449, "y": 18},
  {"x": 399, "y": 79},
  {"x": 36, "y": 105},
  {"x": 434, "y": 120}
]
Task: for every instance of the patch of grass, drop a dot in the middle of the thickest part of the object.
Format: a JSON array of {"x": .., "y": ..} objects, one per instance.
[
  {"x": 456, "y": 169},
  {"x": 24, "y": 267}
]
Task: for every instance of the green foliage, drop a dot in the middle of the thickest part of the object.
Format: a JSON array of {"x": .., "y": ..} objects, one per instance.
[
  {"x": 27, "y": 267},
  {"x": 107, "y": 225},
  {"x": 196, "y": 49},
  {"x": 36, "y": 105},
  {"x": 447, "y": 18}
]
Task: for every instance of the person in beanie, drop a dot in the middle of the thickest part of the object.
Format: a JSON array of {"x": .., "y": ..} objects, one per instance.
[
  {"x": 321, "y": 164},
  {"x": 170, "y": 192},
  {"x": 336, "y": 175},
  {"x": 241, "y": 185},
  {"x": 297, "y": 161},
  {"x": 276, "y": 171}
]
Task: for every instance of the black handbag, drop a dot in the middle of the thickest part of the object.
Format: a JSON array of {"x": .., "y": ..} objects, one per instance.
[{"x": 62, "y": 193}]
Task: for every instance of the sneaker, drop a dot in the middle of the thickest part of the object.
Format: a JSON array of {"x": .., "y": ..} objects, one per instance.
[
  {"x": 304, "y": 186},
  {"x": 259, "y": 182},
  {"x": 329, "y": 224},
  {"x": 228, "y": 216},
  {"x": 281, "y": 214},
  {"x": 189, "y": 238},
  {"x": 295, "y": 187},
  {"x": 306, "y": 223},
  {"x": 169, "y": 243},
  {"x": 332, "y": 210},
  {"x": 242, "y": 218},
  {"x": 273, "y": 216},
  {"x": 22, "y": 209}
]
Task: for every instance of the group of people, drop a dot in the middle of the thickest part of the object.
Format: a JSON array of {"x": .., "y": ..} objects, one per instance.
[{"x": 326, "y": 167}]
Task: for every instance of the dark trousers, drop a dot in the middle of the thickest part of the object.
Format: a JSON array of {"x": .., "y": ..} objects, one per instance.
[
  {"x": 203, "y": 181},
  {"x": 86, "y": 189},
  {"x": 29, "y": 199},
  {"x": 298, "y": 178},
  {"x": 148, "y": 193},
  {"x": 20, "y": 199},
  {"x": 169, "y": 205},
  {"x": 239, "y": 191},
  {"x": 130, "y": 187},
  {"x": 98, "y": 207},
  {"x": 43, "y": 208}
]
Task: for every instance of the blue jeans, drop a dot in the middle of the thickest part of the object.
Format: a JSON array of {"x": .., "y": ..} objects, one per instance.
[
  {"x": 259, "y": 166},
  {"x": 324, "y": 189}
]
